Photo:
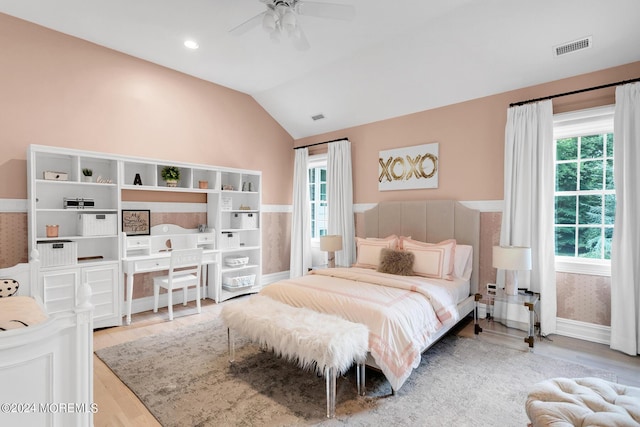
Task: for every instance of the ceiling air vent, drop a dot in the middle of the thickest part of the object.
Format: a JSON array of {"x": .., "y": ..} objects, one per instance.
[
  {"x": 574, "y": 46},
  {"x": 317, "y": 117}
]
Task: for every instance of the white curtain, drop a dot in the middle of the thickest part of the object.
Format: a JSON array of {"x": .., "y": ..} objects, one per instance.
[
  {"x": 340, "y": 199},
  {"x": 528, "y": 215},
  {"x": 625, "y": 249},
  {"x": 300, "y": 260}
]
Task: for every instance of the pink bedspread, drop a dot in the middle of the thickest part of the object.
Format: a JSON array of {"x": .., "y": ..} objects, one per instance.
[{"x": 402, "y": 312}]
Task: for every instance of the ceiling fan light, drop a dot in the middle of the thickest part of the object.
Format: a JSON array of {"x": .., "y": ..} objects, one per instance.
[
  {"x": 289, "y": 21},
  {"x": 269, "y": 21}
]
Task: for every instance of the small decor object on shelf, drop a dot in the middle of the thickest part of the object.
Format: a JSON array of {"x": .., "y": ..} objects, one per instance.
[
  {"x": 52, "y": 230},
  {"x": 137, "y": 180},
  {"x": 171, "y": 175},
  {"x": 203, "y": 184},
  {"x": 136, "y": 222},
  {"x": 55, "y": 176},
  {"x": 226, "y": 203},
  {"x": 88, "y": 174},
  {"x": 78, "y": 203},
  {"x": 101, "y": 180}
]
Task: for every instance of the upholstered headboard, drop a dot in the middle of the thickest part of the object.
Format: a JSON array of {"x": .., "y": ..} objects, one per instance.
[{"x": 428, "y": 221}]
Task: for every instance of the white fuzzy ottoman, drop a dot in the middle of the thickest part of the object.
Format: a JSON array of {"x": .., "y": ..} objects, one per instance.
[
  {"x": 563, "y": 402},
  {"x": 327, "y": 343}
]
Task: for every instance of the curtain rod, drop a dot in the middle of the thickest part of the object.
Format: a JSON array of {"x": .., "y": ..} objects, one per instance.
[
  {"x": 320, "y": 143},
  {"x": 517, "y": 104}
]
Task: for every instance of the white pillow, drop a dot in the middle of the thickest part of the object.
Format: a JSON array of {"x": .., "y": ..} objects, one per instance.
[
  {"x": 432, "y": 260},
  {"x": 463, "y": 262},
  {"x": 368, "y": 250}
]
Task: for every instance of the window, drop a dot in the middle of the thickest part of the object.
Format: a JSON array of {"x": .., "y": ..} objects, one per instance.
[
  {"x": 584, "y": 191},
  {"x": 318, "y": 195}
]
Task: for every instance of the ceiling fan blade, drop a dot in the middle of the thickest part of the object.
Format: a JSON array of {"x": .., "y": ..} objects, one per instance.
[
  {"x": 344, "y": 12},
  {"x": 299, "y": 40},
  {"x": 247, "y": 25}
]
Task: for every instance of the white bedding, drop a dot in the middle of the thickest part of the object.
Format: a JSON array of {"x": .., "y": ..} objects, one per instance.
[{"x": 403, "y": 313}]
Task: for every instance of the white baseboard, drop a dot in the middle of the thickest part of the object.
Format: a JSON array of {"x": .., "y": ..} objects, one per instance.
[
  {"x": 583, "y": 330},
  {"x": 274, "y": 277},
  {"x": 565, "y": 327}
]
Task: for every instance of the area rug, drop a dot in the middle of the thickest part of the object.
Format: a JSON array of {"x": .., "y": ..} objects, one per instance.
[{"x": 184, "y": 378}]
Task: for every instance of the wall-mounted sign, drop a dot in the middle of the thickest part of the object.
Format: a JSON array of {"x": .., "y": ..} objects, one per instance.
[{"x": 408, "y": 168}]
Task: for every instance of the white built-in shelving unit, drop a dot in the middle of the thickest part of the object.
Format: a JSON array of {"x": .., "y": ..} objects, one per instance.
[{"x": 93, "y": 254}]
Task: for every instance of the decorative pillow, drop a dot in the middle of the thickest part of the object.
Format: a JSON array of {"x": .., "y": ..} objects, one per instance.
[
  {"x": 398, "y": 262},
  {"x": 368, "y": 250},
  {"x": 8, "y": 287},
  {"x": 432, "y": 260}
]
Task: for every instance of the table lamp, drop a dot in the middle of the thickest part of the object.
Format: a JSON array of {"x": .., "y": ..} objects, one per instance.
[
  {"x": 331, "y": 244},
  {"x": 512, "y": 259}
]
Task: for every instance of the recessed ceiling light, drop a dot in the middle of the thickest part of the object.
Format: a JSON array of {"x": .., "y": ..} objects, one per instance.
[{"x": 191, "y": 44}]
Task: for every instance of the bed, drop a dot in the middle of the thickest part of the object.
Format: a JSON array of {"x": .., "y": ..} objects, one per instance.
[
  {"x": 405, "y": 314},
  {"x": 46, "y": 361}
]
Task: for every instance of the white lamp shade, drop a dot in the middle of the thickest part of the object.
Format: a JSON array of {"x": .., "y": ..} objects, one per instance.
[
  {"x": 512, "y": 257},
  {"x": 331, "y": 243}
]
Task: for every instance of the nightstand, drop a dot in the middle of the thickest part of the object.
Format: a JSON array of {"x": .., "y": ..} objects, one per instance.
[{"x": 528, "y": 300}]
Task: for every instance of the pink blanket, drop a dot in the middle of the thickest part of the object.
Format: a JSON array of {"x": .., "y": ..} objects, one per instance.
[{"x": 402, "y": 312}]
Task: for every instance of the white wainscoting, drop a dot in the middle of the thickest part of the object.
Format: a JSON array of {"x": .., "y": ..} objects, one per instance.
[{"x": 13, "y": 205}]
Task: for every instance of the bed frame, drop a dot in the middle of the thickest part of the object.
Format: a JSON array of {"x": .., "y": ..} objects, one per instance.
[
  {"x": 430, "y": 221},
  {"x": 46, "y": 370}
]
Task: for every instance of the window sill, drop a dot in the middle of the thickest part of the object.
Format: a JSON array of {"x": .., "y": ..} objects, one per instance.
[{"x": 588, "y": 267}]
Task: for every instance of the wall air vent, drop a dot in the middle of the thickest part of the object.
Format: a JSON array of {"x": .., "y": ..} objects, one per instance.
[
  {"x": 574, "y": 46},
  {"x": 317, "y": 117}
]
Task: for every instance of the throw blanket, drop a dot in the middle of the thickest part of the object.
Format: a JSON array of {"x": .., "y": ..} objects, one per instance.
[{"x": 402, "y": 312}]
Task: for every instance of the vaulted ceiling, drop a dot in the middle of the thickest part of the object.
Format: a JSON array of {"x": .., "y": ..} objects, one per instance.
[{"x": 392, "y": 59}]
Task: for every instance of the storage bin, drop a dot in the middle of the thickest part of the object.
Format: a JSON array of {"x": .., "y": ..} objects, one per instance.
[
  {"x": 244, "y": 220},
  {"x": 54, "y": 253},
  {"x": 238, "y": 281},
  {"x": 229, "y": 241},
  {"x": 97, "y": 224},
  {"x": 236, "y": 261}
]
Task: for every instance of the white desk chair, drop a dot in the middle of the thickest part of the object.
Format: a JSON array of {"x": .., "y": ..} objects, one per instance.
[{"x": 188, "y": 263}]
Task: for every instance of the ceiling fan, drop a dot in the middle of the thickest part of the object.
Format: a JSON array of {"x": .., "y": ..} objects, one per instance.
[{"x": 281, "y": 16}]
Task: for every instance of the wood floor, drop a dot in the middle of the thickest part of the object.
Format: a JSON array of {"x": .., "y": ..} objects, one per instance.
[{"x": 118, "y": 406}]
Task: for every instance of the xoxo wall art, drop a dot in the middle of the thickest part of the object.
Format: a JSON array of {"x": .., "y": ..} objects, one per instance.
[{"x": 408, "y": 168}]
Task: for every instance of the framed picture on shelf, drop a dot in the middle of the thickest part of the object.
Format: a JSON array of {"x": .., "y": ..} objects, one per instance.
[{"x": 136, "y": 222}]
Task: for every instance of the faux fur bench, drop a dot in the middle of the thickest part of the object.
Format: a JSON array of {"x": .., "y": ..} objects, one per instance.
[
  {"x": 328, "y": 344},
  {"x": 567, "y": 402}
]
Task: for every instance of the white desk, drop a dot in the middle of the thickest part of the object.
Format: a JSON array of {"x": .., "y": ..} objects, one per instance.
[{"x": 145, "y": 254}]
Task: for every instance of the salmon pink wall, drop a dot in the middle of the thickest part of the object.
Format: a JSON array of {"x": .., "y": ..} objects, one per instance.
[
  {"x": 470, "y": 136},
  {"x": 61, "y": 91}
]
